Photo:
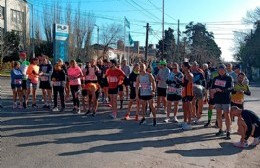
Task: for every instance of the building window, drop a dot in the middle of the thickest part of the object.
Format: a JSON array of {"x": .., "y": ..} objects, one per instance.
[
  {"x": 16, "y": 16},
  {"x": 2, "y": 12}
]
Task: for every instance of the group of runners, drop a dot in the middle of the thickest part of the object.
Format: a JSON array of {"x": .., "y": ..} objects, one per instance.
[{"x": 219, "y": 88}]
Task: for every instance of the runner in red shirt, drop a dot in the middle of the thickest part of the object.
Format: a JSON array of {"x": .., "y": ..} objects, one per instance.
[{"x": 115, "y": 77}]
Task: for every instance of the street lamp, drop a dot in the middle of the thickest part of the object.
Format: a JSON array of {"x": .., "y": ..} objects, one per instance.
[{"x": 97, "y": 33}]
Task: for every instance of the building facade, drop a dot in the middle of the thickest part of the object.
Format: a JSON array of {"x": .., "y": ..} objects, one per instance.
[{"x": 14, "y": 16}]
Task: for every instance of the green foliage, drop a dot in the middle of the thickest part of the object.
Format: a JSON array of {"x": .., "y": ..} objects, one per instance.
[
  {"x": 169, "y": 46},
  {"x": 249, "y": 49},
  {"x": 44, "y": 47},
  {"x": 201, "y": 43},
  {"x": 11, "y": 41}
]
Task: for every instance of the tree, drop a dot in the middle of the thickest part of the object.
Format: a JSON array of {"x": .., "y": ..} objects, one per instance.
[
  {"x": 10, "y": 45},
  {"x": 247, "y": 44},
  {"x": 169, "y": 46},
  {"x": 201, "y": 44},
  {"x": 110, "y": 35}
]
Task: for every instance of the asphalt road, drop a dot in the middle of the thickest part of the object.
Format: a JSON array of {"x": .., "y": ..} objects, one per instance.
[{"x": 34, "y": 138}]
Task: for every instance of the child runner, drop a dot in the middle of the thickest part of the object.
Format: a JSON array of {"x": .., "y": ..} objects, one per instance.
[{"x": 16, "y": 84}]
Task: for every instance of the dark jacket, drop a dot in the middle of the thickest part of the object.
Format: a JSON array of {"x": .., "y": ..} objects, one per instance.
[{"x": 224, "y": 83}]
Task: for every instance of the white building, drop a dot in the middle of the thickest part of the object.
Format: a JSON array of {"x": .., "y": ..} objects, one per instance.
[{"x": 14, "y": 16}]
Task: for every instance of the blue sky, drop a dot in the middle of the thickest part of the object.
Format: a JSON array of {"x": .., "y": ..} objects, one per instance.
[{"x": 222, "y": 17}]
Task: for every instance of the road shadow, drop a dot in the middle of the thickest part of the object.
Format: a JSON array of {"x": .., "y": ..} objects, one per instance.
[{"x": 226, "y": 149}]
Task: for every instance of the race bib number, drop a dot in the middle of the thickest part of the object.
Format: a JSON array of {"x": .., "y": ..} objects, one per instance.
[
  {"x": 57, "y": 83},
  {"x": 91, "y": 77},
  {"x": 145, "y": 86},
  {"x": 18, "y": 81},
  {"x": 112, "y": 79},
  {"x": 44, "y": 78},
  {"x": 172, "y": 89},
  {"x": 220, "y": 83}
]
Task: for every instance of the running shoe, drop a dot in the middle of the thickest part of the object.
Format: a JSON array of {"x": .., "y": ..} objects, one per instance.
[
  {"x": 34, "y": 106},
  {"x": 24, "y": 104},
  {"x": 87, "y": 112},
  {"x": 255, "y": 142},
  {"x": 240, "y": 144},
  {"x": 78, "y": 111},
  {"x": 55, "y": 109},
  {"x": 127, "y": 117},
  {"x": 175, "y": 120},
  {"x": 94, "y": 114},
  {"x": 14, "y": 105},
  {"x": 207, "y": 124},
  {"x": 142, "y": 122},
  {"x": 228, "y": 135},
  {"x": 220, "y": 133},
  {"x": 154, "y": 122},
  {"x": 167, "y": 120},
  {"x": 113, "y": 115},
  {"x": 62, "y": 109},
  {"x": 46, "y": 106},
  {"x": 74, "y": 110}
]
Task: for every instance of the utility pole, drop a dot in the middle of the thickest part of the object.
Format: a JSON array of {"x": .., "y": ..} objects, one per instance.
[
  {"x": 5, "y": 17},
  {"x": 162, "y": 27},
  {"x": 178, "y": 39},
  {"x": 33, "y": 49},
  {"x": 146, "y": 41}
]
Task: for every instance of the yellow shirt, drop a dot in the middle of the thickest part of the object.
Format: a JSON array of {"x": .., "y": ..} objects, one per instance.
[{"x": 237, "y": 97}]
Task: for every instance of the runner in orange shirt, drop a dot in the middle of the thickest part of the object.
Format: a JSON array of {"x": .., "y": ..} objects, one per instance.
[{"x": 90, "y": 92}]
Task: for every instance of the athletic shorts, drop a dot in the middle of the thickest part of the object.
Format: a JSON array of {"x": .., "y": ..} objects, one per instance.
[
  {"x": 29, "y": 83},
  {"x": 24, "y": 84},
  {"x": 45, "y": 85},
  {"x": 187, "y": 98},
  {"x": 113, "y": 91},
  {"x": 146, "y": 98},
  {"x": 224, "y": 107},
  {"x": 211, "y": 102},
  {"x": 126, "y": 82},
  {"x": 173, "y": 97},
  {"x": 241, "y": 106},
  {"x": 120, "y": 88},
  {"x": 16, "y": 86},
  {"x": 104, "y": 82},
  {"x": 161, "y": 92},
  {"x": 132, "y": 94}
]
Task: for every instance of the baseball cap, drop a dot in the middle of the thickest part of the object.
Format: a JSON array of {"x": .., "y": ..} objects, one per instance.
[
  {"x": 163, "y": 62},
  {"x": 22, "y": 54},
  {"x": 221, "y": 66},
  {"x": 237, "y": 66}
]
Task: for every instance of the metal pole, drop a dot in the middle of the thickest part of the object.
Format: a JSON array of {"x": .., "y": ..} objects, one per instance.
[
  {"x": 5, "y": 17},
  {"x": 162, "y": 27},
  {"x": 146, "y": 42},
  {"x": 33, "y": 33},
  {"x": 98, "y": 34}
]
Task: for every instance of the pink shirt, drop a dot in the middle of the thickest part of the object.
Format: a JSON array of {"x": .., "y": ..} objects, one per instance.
[{"x": 74, "y": 75}]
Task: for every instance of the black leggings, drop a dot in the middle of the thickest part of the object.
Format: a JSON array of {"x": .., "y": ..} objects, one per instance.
[
  {"x": 60, "y": 90},
  {"x": 75, "y": 92}
]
